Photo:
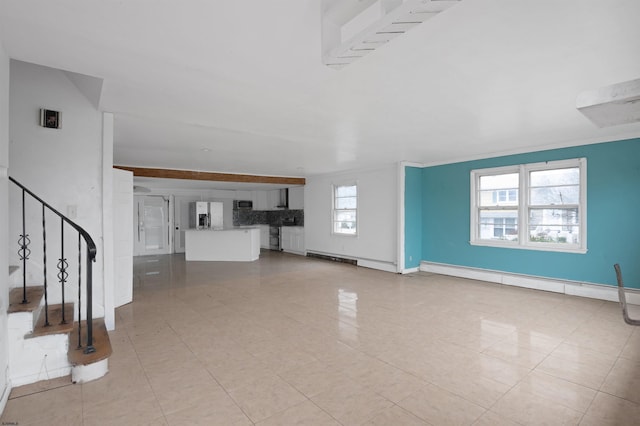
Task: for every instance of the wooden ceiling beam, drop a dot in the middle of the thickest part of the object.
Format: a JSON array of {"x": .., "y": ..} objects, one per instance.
[{"x": 211, "y": 176}]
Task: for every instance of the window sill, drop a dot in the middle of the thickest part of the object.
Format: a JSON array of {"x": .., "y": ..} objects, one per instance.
[
  {"x": 338, "y": 234},
  {"x": 515, "y": 245}
]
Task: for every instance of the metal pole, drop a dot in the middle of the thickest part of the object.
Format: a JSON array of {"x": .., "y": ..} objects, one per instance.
[
  {"x": 62, "y": 267},
  {"x": 79, "y": 291},
  {"x": 89, "y": 349},
  {"x": 24, "y": 253},
  {"x": 44, "y": 264}
]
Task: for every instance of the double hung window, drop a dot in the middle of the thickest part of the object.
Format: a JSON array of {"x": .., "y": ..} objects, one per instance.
[
  {"x": 535, "y": 206},
  {"x": 345, "y": 209}
]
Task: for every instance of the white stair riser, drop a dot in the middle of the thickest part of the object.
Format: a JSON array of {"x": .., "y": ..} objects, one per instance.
[
  {"x": 38, "y": 358},
  {"x": 20, "y": 323},
  {"x": 87, "y": 373}
]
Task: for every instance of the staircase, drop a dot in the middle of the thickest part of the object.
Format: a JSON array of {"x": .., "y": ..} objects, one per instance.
[{"x": 50, "y": 335}]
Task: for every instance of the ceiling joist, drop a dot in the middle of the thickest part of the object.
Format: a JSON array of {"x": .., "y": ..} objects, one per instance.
[{"x": 211, "y": 176}]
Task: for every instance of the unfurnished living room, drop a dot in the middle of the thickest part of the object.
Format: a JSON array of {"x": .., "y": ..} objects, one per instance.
[{"x": 320, "y": 212}]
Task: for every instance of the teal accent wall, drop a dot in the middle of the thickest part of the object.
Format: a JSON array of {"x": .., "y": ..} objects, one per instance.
[
  {"x": 413, "y": 234},
  {"x": 613, "y": 217}
]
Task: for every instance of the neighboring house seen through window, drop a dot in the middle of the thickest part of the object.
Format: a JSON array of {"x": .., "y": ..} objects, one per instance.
[
  {"x": 535, "y": 206},
  {"x": 345, "y": 208}
]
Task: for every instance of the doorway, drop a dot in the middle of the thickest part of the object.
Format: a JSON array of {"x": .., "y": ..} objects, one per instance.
[{"x": 151, "y": 225}]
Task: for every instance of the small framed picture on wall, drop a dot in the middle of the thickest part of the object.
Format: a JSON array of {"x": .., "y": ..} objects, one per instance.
[{"x": 50, "y": 118}]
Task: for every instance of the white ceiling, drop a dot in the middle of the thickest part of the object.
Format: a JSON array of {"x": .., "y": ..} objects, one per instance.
[{"x": 244, "y": 80}]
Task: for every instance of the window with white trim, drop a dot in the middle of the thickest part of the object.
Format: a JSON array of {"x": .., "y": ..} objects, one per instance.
[
  {"x": 539, "y": 206},
  {"x": 345, "y": 209}
]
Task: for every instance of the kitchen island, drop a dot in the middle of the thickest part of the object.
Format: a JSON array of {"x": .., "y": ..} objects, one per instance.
[{"x": 230, "y": 244}]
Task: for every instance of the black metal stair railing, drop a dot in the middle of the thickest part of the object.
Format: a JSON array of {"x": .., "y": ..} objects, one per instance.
[{"x": 24, "y": 253}]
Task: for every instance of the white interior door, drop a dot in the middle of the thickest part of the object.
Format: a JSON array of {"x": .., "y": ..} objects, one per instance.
[
  {"x": 151, "y": 225},
  {"x": 122, "y": 237}
]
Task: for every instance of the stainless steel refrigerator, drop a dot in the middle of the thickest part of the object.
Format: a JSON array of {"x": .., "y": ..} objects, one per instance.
[{"x": 206, "y": 215}]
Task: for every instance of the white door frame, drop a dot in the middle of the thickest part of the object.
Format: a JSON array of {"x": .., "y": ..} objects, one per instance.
[{"x": 139, "y": 226}]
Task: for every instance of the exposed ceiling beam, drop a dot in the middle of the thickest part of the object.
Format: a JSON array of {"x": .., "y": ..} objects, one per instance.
[{"x": 211, "y": 176}]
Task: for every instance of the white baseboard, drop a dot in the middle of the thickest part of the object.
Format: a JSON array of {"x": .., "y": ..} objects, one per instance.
[
  {"x": 411, "y": 270},
  {"x": 299, "y": 253},
  {"x": 53, "y": 373},
  {"x": 374, "y": 264},
  {"x": 574, "y": 288}
]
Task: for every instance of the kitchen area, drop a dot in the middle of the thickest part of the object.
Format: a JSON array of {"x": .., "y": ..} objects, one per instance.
[
  {"x": 237, "y": 229},
  {"x": 279, "y": 214},
  {"x": 169, "y": 211}
]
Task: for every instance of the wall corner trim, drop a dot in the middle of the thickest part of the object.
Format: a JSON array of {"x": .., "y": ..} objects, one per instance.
[
  {"x": 572, "y": 288},
  {"x": 5, "y": 395}
]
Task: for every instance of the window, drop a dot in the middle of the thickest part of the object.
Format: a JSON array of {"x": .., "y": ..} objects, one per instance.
[
  {"x": 345, "y": 208},
  {"x": 503, "y": 227},
  {"x": 535, "y": 206},
  {"x": 505, "y": 195}
]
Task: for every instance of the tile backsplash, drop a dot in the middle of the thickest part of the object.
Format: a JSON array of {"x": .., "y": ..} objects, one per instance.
[{"x": 267, "y": 217}]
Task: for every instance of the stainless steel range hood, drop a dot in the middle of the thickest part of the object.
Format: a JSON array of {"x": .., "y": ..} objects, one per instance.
[{"x": 611, "y": 105}]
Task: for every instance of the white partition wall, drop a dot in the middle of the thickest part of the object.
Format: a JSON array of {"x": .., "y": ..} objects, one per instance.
[
  {"x": 5, "y": 386},
  {"x": 123, "y": 237}
]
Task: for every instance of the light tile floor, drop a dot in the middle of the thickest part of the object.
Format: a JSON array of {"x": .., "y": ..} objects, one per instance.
[{"x": 288, "y": 340}]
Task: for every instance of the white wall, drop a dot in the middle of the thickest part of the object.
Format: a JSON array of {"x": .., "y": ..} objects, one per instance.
[
  {"x": 376, "y": 241},
  {"x": 107, "y": 215},
  {"x": 4, "y": 200},
  {"x": 63, "y": 166}
]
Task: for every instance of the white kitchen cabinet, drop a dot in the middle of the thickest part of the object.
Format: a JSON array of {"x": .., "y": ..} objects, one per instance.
[
  {"x": 273, "y": 199},
  {"x": 236, "y": 244},
  {"x": 264, "y": 236},
  {"x": 296, "y": 198},
  {"x": 286, "y": 238},
  {"x": 292, "y": 239},
  {"x": 260, "y": 200}
]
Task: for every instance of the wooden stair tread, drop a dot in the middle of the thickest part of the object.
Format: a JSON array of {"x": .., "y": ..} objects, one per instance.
[
  {"x": 101, "y": 342},
  {"x": 55, "y": 317},
  {"x": 34, "y": 297}
]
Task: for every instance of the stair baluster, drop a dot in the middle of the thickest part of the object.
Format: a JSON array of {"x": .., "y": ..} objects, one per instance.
[
  {"x": 24, "y": 251},
  {"x": 79, "y": 292},
  {"x": 90, "y": 348},
  {"x": 62, "y": 267},
  {"x": 44, "y": 267}
]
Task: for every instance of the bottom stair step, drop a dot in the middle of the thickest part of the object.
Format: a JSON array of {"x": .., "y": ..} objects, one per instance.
[{"x": 101, "y": 342}]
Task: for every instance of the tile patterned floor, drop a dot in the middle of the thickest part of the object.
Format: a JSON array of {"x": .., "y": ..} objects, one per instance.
[{"x": 293, "y": 341}]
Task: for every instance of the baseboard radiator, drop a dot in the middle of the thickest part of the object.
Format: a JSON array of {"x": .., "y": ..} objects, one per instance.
[{"x": 332, "y": 258}]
